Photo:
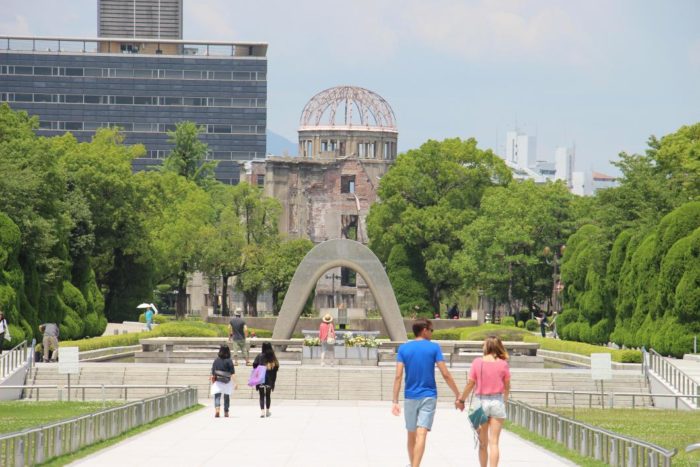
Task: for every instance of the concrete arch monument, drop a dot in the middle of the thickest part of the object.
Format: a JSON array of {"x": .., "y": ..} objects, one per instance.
[{"x": 339, "y": 253}]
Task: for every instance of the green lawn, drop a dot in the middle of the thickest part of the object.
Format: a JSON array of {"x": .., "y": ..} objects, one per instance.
[
  {"x": 18, "y": 415},
  {"x": 666, "y": 428}
]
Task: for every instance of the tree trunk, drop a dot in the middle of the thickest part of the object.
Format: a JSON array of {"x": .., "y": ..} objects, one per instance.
[
  {"x": 251, "y": 302},
  {"x": 212, "y": 296},
  {"x": 510, "y": 288},
  {"x": 181, "y": 304},
  {"x": 435, "y": 300},
  {"x": 224, "y": 294}
]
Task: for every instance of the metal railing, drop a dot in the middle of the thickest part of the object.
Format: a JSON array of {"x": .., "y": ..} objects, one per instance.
[
  {"x": 13, "y": 359},
  {"x": 612, "y": 398},
  {"x": 37, "y": 445},
  {"x": 672, "y": 375},
  {"x": 33, "y": 391},
  {"x": 589, "y": 441}
]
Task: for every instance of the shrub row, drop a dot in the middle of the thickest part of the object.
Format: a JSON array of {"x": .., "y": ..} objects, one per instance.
[
  {"x": 621, "y": 356},
  {"x": 158, "y": 319},
  {"x": 169, "y": 329}
]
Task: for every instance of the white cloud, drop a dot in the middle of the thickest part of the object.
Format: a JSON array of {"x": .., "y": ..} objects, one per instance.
[
  {"x": 15, "y": 26},
  {"x": 499, "y": 29},
  {"x": 694, "y": 53}
]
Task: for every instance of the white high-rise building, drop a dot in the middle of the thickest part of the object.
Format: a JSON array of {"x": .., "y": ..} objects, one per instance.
[
  {"x": 564, "y": 164},
  {"x": 521, "y": 149}
]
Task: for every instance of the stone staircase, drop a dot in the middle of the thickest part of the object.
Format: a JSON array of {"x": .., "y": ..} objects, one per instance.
[{"x": 309, "y": 382}]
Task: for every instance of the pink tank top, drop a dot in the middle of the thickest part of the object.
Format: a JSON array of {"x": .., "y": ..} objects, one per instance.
[{"x": 494, "y": 374}]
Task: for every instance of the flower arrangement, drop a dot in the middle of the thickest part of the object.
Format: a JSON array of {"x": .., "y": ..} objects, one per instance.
[
  {"x": 360, "y": 341},
  {"x": 312, "y": 341}
]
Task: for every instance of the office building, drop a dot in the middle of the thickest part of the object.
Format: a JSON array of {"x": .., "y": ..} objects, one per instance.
[{"x": 143, "y": 85}]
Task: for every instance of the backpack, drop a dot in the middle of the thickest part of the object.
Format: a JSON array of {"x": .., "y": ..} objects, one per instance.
[{"x": 257, "y": 376}]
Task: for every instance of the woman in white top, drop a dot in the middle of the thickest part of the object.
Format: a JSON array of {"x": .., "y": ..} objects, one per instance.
[{"x": 3, "y": 330}]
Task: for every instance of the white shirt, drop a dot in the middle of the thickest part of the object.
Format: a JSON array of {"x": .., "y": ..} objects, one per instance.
[{"x": 3, "y": 325}]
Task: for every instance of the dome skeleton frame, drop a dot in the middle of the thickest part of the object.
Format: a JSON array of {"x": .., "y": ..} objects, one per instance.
[{"x": 374, "y": 111}]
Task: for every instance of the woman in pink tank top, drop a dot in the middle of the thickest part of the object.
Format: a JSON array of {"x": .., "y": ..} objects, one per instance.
[{"x": 489, "y": 378}]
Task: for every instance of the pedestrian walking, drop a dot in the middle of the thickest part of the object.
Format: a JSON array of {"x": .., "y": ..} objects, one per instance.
[
  {"x": 4, "y": 330},
  {"x": 489, "y": 384},
  {"x": 542, "y": 321},
  {"x": 49, "y": 341},
  {"x": 223, "y": 380},
  {"x": 268, "y": 358},
  {"x": 418, "y": 359},
  {"x": 553, "y": 326},
  {"x": 326, "y": 334},
  {"x": 238, "y": 331},
  {"x": 149, "y": 319}
]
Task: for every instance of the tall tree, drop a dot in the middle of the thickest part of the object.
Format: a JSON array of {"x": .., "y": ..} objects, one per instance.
[
  {"x": 426, "y": 199},
  {"x": 281, "y": 263},
  {"x": 188, "y": 157}
]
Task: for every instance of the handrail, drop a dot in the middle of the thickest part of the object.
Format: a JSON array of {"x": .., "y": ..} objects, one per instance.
[
  {"x": 692, "y": 447},
  {"x": 60, "y": 389},
  {"x": 674, "y": 376},
  {"x": 13, "y": 359},
  {"x": 37, "y": 445},
  {"x": 610, "y": 396},
  {"x": 588, "y": 440}
]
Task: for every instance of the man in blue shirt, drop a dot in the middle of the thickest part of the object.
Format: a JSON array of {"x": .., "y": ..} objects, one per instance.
[
  {"x": 149, "y": 318},
  {"x": 419, "y": 358}
]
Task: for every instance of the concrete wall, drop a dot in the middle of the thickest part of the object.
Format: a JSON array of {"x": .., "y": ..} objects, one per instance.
[{"x": 16, "y": 379}]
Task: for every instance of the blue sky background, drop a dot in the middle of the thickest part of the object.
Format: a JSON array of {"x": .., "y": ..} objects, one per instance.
[{"x": 603, "y": 74}]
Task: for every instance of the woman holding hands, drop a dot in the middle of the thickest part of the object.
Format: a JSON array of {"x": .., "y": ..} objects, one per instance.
[{"x": 489, "y": 378}]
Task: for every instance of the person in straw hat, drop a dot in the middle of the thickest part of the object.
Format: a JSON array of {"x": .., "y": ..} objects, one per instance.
[{"x": 326, "y": 334}]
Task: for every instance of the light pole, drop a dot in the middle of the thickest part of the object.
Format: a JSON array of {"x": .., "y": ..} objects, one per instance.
[{"x": 333, "y": 277}]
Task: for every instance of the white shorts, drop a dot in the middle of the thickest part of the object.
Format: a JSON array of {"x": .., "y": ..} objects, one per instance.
[{"x": 493, "y": 405}]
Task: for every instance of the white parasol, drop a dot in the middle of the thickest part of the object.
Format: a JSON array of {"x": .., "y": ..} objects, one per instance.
[{"x": 144, "y": 305}]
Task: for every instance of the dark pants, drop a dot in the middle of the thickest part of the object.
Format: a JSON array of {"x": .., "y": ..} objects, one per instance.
[
  {"x": 265, "y": 392},
  {"x": 217, "y": 401},
  {"x": 2, "y": 340},
  {"x": 544, "y": 332}
]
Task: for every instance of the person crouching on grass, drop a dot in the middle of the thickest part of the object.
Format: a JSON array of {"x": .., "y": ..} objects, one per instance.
[{"x": 419, "y": 358}]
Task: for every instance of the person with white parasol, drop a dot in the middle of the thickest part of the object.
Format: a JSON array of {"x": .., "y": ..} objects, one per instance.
[{"x": 150, "y": 308}]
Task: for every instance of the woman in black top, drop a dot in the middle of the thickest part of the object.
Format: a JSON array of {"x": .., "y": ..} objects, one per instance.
[
  {"x": 267, "y": 357},
  {"x": 222, "y": 379}
]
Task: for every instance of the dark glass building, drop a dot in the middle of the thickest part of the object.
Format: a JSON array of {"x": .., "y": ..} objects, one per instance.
[{"x": 144, "y": 87}]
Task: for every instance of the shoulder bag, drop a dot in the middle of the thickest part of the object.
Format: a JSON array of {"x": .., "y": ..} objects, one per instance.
[
  {"x": 222, "y": 376},
  {"x": 477, "y": 417},
  {"x": 257, "y": 376},
  {"x": 330, "y": 339}
]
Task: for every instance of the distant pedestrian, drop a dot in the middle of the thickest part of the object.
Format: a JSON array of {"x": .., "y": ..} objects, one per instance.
[
  {"x": 4, "y": 330},
  {"x": 326, "y": 334},
  {"x": 49, "y": 342},
  {"x": 268, "y": 358},
  {"x": 489, "y": 378},
  {"x": 542, "y": 321},
  {"x": 419, "y": 357},
  {"x": 453, "y": 313},
  {"x": 553, "y": 326},
  {"x": 149, "y": 319},
  {"x": 223, "y": 376},
  {"x": 238, "y": 331}
]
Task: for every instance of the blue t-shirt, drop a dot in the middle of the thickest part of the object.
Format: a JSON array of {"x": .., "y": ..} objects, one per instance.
[
  {"x": 419, "y": 358},
  {"x": 149, "y": 315}
]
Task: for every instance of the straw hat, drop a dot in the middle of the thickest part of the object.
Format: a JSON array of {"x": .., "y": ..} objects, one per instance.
[{"x": 327, "y": 318}]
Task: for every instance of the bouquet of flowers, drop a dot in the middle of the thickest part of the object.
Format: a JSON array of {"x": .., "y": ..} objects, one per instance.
[
  {"x": 359, "y": 341},
  {"x": 312, "y": 341}
]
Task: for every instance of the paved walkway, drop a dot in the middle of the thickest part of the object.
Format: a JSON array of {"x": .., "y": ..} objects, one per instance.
[{"x": 309, "y": 434}]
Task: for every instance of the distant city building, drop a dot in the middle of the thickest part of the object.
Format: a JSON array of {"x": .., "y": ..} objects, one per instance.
[
  {"x": 601, "y": 181},
  {"x": 564, "y": 164},
  {"x": 578, "y": 184},
  {"x": 347, "y": 142},
  {"x": 156, "y": 19},
  {"x": 144, "y": 85},
  {"x": 521, "y": 149}
]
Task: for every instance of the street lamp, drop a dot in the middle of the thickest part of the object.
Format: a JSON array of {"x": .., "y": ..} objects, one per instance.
[
  {"x": 333, "y": 277},
  {"x": 557, "y": 286}
]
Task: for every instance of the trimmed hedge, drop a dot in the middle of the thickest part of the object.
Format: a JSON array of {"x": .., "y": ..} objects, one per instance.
[
  {"x": 479, "y": 333},
  {"x": 531, "y": 325},
  {"x": 508, "y": 321},
  {"x": 157, "y": 319},
  {"x": 169, "y": 329},
  {"x": 557, "y": 345}
]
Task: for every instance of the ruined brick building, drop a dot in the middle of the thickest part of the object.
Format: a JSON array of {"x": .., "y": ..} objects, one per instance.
[{"x": 347, "y": 141}]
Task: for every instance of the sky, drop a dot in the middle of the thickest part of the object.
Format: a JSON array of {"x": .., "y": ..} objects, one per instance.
[{"x": 602, "y": 75}]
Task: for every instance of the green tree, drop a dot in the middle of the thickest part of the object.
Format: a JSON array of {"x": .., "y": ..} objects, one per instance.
[
  {"x": 507, "y": 249},
  {"x": 281, "y": 263},
  {"x": 188, "y": 157},
  {"x": 426, "y": 199}
]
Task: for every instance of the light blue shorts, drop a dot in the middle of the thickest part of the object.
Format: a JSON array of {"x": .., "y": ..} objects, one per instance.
[
  {"x": 419, "y": 413},
  {"x": 493, "y": 405}
]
